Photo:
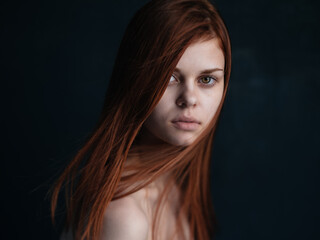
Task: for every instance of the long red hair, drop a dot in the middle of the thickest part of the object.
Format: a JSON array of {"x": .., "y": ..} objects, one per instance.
[{"x": 152, "y": 45}]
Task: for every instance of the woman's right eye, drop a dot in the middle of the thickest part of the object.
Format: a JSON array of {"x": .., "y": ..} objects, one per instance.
[{"x": 173, "y": 80}]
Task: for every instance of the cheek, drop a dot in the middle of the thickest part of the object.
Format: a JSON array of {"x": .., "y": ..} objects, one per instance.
[
  {"x": 163, "y": 107},
  {"x": 213, "y": 104},
  {"x": 157, "y": 116},
  {"x": 160, "y": 114}
]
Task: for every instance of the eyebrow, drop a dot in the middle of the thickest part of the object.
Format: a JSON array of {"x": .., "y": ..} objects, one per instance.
[{"x": 205, "y": 71}]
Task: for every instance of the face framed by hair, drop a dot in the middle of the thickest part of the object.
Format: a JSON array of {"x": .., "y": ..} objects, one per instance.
[
  {"x": 161, "y": 109},
  {"x": 192, "y": 97}
]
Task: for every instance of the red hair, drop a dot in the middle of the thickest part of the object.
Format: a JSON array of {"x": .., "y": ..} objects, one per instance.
[{"x": 152, "y": 45}]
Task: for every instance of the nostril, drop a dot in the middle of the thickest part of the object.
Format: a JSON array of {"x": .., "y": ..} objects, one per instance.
[
  {"x": 181, "y": 103},
  {"x": 187, "y": 97}
]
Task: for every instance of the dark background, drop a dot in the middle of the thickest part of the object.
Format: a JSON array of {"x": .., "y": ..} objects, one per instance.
[{"x": 56, "y": 58}]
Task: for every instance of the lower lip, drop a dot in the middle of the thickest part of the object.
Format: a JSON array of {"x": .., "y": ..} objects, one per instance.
[{"x": 186, "y": 126}]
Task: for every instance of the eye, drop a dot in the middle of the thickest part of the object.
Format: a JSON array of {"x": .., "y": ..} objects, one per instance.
[
  {"x": 173, "y": 80},
  {"x": 207, "y": 80}
]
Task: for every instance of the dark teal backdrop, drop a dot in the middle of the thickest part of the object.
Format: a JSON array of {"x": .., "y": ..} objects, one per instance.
[{"x": 56, "y": 58}]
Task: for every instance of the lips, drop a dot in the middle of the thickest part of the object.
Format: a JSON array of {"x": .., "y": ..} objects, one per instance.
[{"x": 186, "y": 123}]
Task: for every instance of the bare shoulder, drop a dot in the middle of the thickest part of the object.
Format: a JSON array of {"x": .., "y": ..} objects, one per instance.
[{"x": 124, "y": 219}]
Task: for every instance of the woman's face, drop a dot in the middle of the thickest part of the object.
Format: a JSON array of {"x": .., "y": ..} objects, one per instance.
[{"x": 192, "y": 96}]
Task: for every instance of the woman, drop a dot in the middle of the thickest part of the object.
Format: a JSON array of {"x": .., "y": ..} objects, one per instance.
[{"x": 144, "y": 172}]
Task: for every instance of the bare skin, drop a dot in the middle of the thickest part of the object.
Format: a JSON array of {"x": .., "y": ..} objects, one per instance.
[{"x": 131, "y": 217}]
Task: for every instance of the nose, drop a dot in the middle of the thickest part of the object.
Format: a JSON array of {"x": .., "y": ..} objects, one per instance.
[{"x": 187, "y": 97}]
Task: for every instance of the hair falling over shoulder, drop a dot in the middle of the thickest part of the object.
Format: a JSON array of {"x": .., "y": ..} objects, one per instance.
[{"x": 152, "y": 45}]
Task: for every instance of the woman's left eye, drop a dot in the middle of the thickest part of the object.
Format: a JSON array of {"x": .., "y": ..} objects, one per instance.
[{"x": 207, "y": 80}]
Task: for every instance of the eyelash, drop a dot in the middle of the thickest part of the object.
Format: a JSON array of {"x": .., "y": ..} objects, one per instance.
[{"x": 213, "y": 79}]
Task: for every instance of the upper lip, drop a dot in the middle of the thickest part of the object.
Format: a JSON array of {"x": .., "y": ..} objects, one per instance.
[{"x": 185, "y": 119}]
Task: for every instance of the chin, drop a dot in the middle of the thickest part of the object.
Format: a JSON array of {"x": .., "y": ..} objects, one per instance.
[
  {"x": 175, "y": 138},
  {"x": 181, "y": 142}
]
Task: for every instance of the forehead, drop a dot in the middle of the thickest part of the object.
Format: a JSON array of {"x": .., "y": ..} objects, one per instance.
[{"x": 202, "y": 55}]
